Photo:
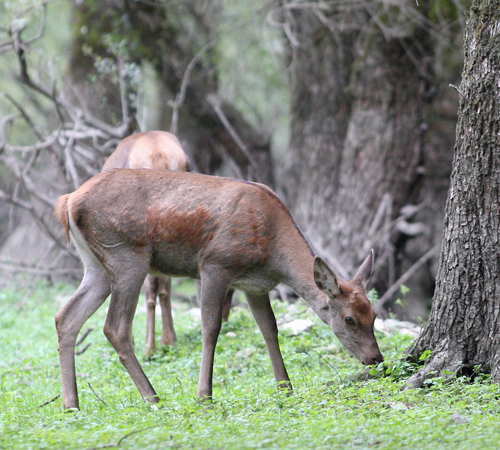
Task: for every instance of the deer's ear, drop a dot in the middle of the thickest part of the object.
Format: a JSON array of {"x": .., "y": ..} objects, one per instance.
[
  {"x": 365, "y": 271},
  {"x": 325, "y": 279}
]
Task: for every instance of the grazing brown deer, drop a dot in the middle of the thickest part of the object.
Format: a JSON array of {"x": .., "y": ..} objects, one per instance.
[{"x": 228, "y": 233}]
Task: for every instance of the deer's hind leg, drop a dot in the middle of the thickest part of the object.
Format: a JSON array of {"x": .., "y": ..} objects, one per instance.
[
  {"x": 92, "y": 292},
  {"x": 126, "y": 286}
]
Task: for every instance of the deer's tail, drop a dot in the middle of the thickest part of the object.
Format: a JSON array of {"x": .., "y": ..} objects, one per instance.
[{"x": 61, "y": 212}]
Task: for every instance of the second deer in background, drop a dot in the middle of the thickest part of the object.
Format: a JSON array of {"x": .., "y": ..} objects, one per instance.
[{"x": 154, "y": 150}]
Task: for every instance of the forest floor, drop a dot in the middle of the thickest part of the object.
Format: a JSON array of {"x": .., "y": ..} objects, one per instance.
[{"x": 328, "y": 408}]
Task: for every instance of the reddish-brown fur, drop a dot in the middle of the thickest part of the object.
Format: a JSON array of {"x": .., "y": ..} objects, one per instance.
[
  {"x": 170, "y": 225},
  {"x": 228, "y": 233}
]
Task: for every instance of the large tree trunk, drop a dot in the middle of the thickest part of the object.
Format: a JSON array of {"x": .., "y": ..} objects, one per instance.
[
  {"x": 357, "y": 125},
  {"x": 463, "y": 331}
]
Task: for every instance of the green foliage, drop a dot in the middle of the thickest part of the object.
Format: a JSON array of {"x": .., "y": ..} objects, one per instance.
[
  {"x": 373, "y": 296},
  {"x": 403, "y": 302},
  {"x": 327, "y": 409}
]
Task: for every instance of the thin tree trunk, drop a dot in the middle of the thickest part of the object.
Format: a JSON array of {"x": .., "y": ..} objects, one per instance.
[{"x": 463, "y": 331}]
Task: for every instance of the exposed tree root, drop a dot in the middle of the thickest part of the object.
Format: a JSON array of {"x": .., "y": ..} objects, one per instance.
[{"x": 442, "y": 363}]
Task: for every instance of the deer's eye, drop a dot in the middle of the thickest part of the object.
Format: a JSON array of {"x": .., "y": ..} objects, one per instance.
[{"x": 349, "y": 321}]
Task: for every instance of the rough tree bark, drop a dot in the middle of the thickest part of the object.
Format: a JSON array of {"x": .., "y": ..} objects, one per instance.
[
  {"x": 463, "y": 331},
  {"x": 360, "y": 79}
]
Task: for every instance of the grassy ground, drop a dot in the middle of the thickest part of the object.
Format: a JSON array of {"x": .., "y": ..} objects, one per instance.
[{"x": 327, "y": 410}]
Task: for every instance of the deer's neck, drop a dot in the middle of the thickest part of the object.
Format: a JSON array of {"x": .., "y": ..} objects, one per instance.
[{"x": 301, "y": 280}]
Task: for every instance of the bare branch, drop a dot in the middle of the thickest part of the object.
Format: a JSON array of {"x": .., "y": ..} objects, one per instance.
[
  {"x": 123, "y": 91},
  {"x": 25, "y": 116},
  {"x": 76, "y": 144},
  {"x": 69, "y": 159},
  {"x": 43, "y": 22},
  {"x": 15, "y": 32},
  {"x": 49, "y": 401},
  {"x": 11, "y": 199},
  {"x": 3, "y": 123},
  {"x": 23, "y": 268},
  {"x": 179, "y": 100},
  {"x": 84, "y": 336},
  {"x": 97, "y": 396},
  {"x": 215, "y": 103},
  {"x": 40, "y": 145}
]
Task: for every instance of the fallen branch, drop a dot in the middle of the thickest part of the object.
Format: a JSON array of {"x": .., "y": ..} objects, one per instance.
[
  {"x": 10, "y": 199},
  {"x": 322, "y": 358},
  {"x": 49, "y": 401},
  {"x": 122, "y": 438},
  {"x": 98, "y": 398},
  {"x": 84, "y": 336},
  {"x": 83, "y": 350}
]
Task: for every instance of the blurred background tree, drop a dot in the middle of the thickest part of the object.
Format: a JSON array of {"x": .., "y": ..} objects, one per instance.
[{"x": 343, "y": 108}]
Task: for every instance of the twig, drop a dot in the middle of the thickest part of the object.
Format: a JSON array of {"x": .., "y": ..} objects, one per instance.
[
  {"x": 83, "y": 350},
  {"x": 9, "y": 198},
  {"x": 232, "y": 163},
  {"x": 49, "y": 401},
  {"x": 25, "y": 116},
  {"x": 457, "y": 89},
  {"x": 327, "y": 362},
  {"x": 123, "y": 91},
  {"x": 70, "y": 164},
  {"x": 375, "y": 236},
  {"x": 84, "y": 336},
  {"x": 6, "y": 120},
  {"x": 179, "y": 100},
  {"x": 98, "y": 398},
  {"x": 43, "y": 4},
  {"x": 331, "y": 260},
  {"x": 20, "y": 48},
  {"x": 180, "y": 383},
  {"x": 134, "y": 432},
  {"x": 215, "y": 103},
  {"x": 405, "y": 277},
  {"x": 123, "y": 438}
]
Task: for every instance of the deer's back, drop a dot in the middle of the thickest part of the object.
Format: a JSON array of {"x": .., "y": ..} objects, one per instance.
[
  {"x": 185, "y": 221},
  {"x": 148, "y": 150}
]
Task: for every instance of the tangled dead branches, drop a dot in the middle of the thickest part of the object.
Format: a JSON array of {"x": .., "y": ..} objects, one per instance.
[{"x": 50, "y": 143}]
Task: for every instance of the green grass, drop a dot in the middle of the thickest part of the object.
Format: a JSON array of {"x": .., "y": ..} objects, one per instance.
[{"x": 326, "y": 410}]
